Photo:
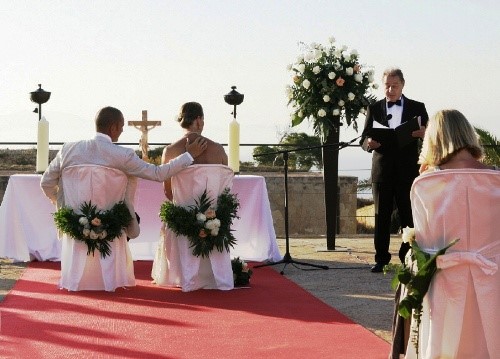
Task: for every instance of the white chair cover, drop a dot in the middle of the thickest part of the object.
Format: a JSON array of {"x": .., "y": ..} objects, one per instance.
[
  {"x": 105, "y": 187},
  {"x": 174, "y": 263},
  {"x": 461, "y": 309}
]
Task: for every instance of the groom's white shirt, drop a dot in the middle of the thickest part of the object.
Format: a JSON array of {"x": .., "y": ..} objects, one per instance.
[{"x": 102, "y": 151}]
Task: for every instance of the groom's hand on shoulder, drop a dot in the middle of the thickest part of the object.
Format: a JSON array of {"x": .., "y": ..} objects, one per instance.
[{"x": 197, "y": 147}]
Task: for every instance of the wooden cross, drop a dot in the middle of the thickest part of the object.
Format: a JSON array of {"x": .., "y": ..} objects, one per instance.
[{"x": 144, "y": 126}]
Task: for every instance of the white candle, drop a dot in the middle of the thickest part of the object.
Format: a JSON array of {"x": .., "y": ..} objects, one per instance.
[
  {"x": 234, "y": 146},
  {"x": 42, "y": 146}
]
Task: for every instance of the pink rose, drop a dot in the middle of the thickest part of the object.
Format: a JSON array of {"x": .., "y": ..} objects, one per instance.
[
  {"x": 357, "y": 68},
  {"x": 202, "y": 233},
  {"x": 96, "y": 222},
  {"x": 340, "y": 82},
  {"x": 210, "y": 213}
]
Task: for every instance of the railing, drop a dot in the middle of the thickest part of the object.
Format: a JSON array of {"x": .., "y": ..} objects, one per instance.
[{"x": 366, "y": 193}]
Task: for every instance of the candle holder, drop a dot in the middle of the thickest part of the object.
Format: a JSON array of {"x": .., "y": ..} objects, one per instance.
[
  {"x": 234, "y": 98},
  {"x": 39, "y": 96}
]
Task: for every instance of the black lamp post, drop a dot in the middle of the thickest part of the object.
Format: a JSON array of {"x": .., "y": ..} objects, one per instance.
[
  {"x": 234, "y": 98},
  {"x": 39, "y": 96}
]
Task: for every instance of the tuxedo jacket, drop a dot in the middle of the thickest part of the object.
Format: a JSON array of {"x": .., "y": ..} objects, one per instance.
[
  {"x": 389, "y": 162},
  {"x": 101, "y": 151}
]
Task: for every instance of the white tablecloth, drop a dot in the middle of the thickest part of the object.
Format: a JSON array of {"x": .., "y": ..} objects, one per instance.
[{"x": 27, "y": 229}]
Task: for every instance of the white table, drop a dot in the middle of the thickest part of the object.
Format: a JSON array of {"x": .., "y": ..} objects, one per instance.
[{"x": 27, "y": 229}]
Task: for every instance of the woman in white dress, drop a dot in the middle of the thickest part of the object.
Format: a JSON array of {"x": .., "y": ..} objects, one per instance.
[{"x": 174, "y": 265}]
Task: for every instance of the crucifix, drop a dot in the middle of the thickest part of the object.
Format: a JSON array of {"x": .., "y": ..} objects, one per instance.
[{"x": 144, "y": 126}]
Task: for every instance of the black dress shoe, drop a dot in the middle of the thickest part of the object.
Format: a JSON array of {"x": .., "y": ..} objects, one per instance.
[{"x": 377, "y": 268}]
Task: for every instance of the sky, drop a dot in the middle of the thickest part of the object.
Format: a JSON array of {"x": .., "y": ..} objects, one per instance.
[{"x": 155, "y": 55}]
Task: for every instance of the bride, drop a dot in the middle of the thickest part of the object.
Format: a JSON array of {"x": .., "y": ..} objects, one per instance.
[{"x": 174, "y": 264}]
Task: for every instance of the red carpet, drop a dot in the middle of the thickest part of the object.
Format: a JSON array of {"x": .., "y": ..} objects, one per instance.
[{"x": 275, "y": 318}]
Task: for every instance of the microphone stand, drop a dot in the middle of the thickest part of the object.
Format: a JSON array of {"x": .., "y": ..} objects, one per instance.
[{"x": 287, "y": 258}]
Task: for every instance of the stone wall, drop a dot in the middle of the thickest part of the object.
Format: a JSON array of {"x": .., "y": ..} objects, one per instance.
[{"x": 306, "y": 203}]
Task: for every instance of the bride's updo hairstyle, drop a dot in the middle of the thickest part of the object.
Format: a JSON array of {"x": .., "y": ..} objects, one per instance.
[
  {"x": 189, "y": 112},
  {"x": 447, "y": 133}
]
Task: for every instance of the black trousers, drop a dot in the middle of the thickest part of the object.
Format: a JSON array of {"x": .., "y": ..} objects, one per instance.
[{"x": 385, "y": 194}]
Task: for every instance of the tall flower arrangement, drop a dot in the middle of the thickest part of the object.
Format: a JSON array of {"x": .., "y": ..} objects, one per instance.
[{"x": 329, "y": 82}]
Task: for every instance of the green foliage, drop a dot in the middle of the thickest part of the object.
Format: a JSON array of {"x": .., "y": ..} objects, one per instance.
[
  {"x": 94, "y": 227},
  {"x": 263, "y": 159},
  {"x": 491, "y": 147},
  {"x": 154, "y": 155},
  {"x": 195, "y": 222},
  {"x": 297, "y": 161}
]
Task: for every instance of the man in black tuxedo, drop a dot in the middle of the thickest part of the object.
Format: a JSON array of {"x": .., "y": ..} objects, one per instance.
[{"x": 393, "y": 167}]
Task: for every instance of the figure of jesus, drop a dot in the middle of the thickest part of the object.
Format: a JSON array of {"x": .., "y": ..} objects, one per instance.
[{"x": 144, "y": 126}]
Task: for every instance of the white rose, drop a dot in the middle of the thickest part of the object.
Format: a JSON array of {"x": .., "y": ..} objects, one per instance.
[
  {"x": 309, "y": 56},
  {"x": 371, "y": 78},
  {"x": 93, "y": 235},
  {"x": 346, "y": 55},
  {"x": 331, "y": 75},
  {"x": 326, "y": 98},
  {"x": 214, "y": 231},
  {"x": 300, "y": 58},
  {"x": 306, "y": 84},
  {"x": 209, "y": 224},
  {"x": 408, "y": 235},
  {"x": 331, "y": 39},
  {"x": 321, "y": 113},
  {"x": 289, "y": 91},
  {"x": 341, "y": 103},
  {"x": 86, "y": 232},
  {"x": 350, "y": 96},
  {"x": 318, "y": 53},
  {"x": 83, "y": 221},
  {"x": 301, "y": 68},
  {"x": 336, "y": 112},
  {"x": 349, "y": 71},
  {"x": 200, "y": 217},
  {"x": 300, "y": 114},
  {"x": 358, "y": 77},
  {"x": 212, "y": 224},
  {"x": 316, "y": 70},
  {"x": 337, "y": 53},
  {"x": 354, "y": 52}
]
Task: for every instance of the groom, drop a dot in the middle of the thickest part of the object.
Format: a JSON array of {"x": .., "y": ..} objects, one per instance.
[
  {"x": 393, "y": 168},
  {"x": 102, "y": 151}
]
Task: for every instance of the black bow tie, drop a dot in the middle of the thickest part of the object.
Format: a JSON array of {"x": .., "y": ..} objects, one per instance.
[{"x": 390, "y": 104}]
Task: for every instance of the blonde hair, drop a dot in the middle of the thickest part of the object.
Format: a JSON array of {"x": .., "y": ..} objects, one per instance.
[{"x": 448, "y": 132}]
